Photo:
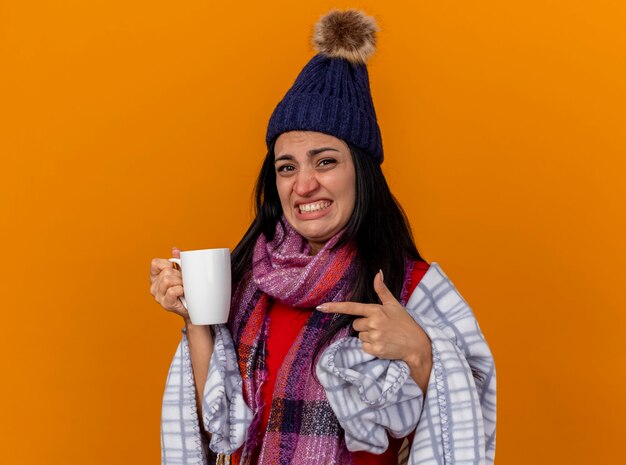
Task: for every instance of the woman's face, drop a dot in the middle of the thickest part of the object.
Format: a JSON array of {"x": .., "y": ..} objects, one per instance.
[{"x": 316, "y": 183}]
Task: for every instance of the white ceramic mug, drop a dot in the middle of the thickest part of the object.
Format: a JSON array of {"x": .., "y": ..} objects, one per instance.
[{"x": 206, "y": 280}]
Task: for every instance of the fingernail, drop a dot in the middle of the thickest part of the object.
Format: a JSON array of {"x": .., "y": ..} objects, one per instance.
[
  {"x": 321, "y": 308},
  {"x": 382, "y": 276}
]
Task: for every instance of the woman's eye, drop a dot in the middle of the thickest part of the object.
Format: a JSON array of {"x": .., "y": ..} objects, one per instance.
[
  {"x": 284, "y": 168},
  {"x": 327, "y": 162}
]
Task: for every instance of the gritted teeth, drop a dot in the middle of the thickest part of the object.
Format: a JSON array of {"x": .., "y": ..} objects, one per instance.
[{"x": 314, "y": 206}]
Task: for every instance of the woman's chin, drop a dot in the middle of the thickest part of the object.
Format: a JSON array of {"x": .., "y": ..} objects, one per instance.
[
  {"x": 317, "y": 238},
  {"x": 317, "y": 231}
]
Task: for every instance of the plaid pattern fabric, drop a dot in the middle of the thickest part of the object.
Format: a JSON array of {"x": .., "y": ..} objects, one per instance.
[
  {"x": 224, "y": 411},
  {"x": 456, "y": 422},
  {"x": 302, "y": 428},
  {"x": 181, "y": 440}
]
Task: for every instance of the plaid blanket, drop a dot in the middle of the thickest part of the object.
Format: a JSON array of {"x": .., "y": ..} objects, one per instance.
[{"x": 455, "y": 423}]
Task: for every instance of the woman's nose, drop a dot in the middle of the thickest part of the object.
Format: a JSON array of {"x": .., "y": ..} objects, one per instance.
[{"x": 306, "y": 183}]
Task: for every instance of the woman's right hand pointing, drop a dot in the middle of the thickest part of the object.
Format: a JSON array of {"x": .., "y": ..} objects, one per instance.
[{"x": 166, "y": 285}]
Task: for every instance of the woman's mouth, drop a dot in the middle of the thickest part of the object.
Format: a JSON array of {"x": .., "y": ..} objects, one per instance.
[{"x": 314, "y": 207}]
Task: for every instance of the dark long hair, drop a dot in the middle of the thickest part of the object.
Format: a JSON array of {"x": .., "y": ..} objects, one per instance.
[{"x": 378, "y": 228}]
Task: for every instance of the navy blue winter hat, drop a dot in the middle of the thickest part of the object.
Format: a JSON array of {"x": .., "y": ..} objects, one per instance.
[{"x": 332, "y": 92}]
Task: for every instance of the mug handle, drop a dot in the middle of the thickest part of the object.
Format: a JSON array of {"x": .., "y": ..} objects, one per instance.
[{"x": 176, "y": 261}]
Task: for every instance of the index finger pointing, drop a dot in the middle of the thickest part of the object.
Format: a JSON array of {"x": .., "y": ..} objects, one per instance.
[{"x": 346, "y": 308}]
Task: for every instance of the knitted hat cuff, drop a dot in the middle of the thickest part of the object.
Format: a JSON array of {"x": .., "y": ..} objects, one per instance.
[{"x": 330, "y": 115}]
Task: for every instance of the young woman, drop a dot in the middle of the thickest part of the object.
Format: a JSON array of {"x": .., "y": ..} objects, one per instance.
[{"x": 332, "y": 354}]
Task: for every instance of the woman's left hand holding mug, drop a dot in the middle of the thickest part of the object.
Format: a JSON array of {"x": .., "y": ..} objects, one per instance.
[{"x": 166, "y": 285}]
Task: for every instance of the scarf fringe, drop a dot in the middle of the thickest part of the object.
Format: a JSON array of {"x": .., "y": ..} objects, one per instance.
[{"x": 223, "y": 459}]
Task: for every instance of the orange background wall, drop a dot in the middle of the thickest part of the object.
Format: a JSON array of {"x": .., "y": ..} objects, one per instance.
[{"x": 130, "y": 127}]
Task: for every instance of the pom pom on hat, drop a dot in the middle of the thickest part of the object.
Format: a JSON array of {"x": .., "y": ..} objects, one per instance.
[{"x": 349, "y": 34}]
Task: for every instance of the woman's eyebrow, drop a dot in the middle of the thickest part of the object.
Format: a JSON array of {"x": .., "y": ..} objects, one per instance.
[
  {"x": 310, "y": 153},
  {"x": 284, "y": 157}
]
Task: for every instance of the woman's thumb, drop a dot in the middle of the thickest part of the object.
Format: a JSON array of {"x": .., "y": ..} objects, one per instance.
[
  {"x": 175, "y": 252},
  {"x": 384, "y": 294}
]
